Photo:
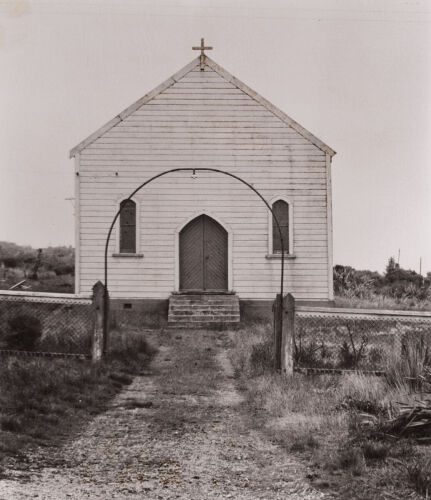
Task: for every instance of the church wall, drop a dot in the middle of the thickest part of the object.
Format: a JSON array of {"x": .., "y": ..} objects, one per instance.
[{"x": 204, "y": 121}]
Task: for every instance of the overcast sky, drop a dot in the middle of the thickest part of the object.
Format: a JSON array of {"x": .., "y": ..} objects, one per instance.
[{"x": 355, "y": 73}]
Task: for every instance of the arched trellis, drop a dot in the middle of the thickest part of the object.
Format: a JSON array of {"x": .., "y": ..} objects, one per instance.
[{"x": 194, "y": 170}]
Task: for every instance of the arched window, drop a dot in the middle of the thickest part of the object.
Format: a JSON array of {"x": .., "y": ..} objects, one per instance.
[
  {"x": 281, "y": 212},
  {"x": 128, "y": 227}
]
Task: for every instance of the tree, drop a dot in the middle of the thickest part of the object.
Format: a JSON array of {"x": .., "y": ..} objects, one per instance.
[{"x": 391, "y": 266}]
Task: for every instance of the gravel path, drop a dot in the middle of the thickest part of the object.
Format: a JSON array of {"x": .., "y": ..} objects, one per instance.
[{"x": 181, "y": 431}]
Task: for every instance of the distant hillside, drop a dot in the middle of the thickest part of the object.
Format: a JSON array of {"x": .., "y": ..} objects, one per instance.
[{"x": 47, "y": 269}]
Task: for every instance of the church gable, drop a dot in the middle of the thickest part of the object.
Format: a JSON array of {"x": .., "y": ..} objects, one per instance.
[
  {"x": 195, "y": 98},
  {"x": 203, "y": 109}
]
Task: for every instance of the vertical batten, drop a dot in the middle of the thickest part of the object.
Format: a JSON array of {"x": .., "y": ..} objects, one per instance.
[
  {"x": 77, "y": 217},
  {"x": 329, "y": 225}
]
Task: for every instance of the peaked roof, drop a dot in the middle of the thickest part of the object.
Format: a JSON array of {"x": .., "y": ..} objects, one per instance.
[{"x": 174, "y": 79}]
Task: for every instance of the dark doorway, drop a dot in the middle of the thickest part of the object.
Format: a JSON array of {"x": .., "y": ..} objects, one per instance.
[{"x": 203, "y": 256}]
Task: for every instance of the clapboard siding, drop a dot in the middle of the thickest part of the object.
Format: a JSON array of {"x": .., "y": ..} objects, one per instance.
[
  {"x": 89, "y": 205},
  {"x": 106, "y": 198},
  {"x": 204, "y": 121}
]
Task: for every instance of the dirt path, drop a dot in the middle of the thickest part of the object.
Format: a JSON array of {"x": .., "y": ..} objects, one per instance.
[{"x": 181, "y": 431}]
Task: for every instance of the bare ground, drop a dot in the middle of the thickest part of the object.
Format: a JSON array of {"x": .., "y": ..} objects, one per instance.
[{"x": 182, "y": 430}]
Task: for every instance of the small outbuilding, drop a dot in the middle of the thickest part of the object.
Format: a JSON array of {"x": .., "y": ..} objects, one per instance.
[{"x": 202, "y": 236}]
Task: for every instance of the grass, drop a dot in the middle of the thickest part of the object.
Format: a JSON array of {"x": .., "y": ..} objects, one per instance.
[
  {"x": 383, "y": 302},
  {"x": 419, "y": 474},
  {"x": 197, "y": 359},
  {"x": 43, "y": 400},
  {"x": 321, "y": 419},
  {"x": 47, "y": 282}
]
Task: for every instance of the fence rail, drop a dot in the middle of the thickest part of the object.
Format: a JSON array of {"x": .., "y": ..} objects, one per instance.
[
  {"x": 41, "y": 297},
  {"x": 341, "y": 340},
  {"x": 47, "y": 324},
  {"x": 333, "y": 311}
]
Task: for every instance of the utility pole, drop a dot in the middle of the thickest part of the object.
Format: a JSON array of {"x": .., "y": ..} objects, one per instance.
[{"x": 399, "y": 251}]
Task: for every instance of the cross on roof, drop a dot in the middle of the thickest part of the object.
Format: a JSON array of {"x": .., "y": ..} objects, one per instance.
[{"x": 202, "y": 48}]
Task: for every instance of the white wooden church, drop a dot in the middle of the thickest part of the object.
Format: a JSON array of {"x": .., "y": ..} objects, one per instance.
[{"x": 201, "y": 238}]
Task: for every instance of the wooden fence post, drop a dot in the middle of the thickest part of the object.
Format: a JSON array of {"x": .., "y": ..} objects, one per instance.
[
  {"x": 98, "y": 332},
  {"x": 277, "y": 308},
  {"x": 288, "y": 334}
]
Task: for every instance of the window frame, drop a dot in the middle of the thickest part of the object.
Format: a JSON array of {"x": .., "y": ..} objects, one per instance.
[
  {"x": 118, "y": 252},
  {"x": 290, "y": 253}
]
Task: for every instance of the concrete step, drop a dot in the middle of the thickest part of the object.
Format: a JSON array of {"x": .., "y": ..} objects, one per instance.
[
  {"x": 204, "y": 317},
  {"x": 214, "y": 325},
  {"x": 201, "y": 302},
  {"x": 197, "y": 309},
  {"x": 204, "y": 297},
  {"x": 220, "y": 314},
  {"x": 200, "y": 310}
]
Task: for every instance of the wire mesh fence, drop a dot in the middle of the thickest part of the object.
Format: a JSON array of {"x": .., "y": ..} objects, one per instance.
[
  {"x": 48, "y": 324},
  {"x": 359, "y": 340}
]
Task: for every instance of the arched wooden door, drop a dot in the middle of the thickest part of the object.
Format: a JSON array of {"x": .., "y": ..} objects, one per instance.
[{"x": 203, "y": 255}]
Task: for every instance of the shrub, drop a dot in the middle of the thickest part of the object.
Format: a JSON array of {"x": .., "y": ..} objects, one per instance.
[
  {"x": 10, "y": 261},
  {"x": 64, "y": 269},
  {"x": 24, "y": 332},
  {"x": 349, "y": 459},
  {"x": 397, "y": 288},
  {"x": 350, "y": 354},
  {"x": 347, "y": 357},
  {"x": 375, "y": 450},
  {"x": 10, "y": 424},
  {"x": 308, "y": 352},
  {"x": 304, "y": 353},
  {"x": 353, "y": 283}
]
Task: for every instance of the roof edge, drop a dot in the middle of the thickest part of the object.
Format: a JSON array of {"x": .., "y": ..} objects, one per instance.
[
  {"x": 133, "y": 107},
  {"x": 269, "y": 106}
]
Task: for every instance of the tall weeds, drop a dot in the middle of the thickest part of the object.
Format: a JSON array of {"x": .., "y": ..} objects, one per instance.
[{"x": 412, "y": 366}]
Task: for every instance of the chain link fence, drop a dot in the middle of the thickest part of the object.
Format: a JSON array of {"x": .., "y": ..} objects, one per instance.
[
  {"x": 369, "y": 341},
  {"x": 45, "y": 324}
]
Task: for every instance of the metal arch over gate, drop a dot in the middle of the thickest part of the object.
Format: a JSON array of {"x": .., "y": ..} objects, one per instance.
[{"x": 193, "y": 170}]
